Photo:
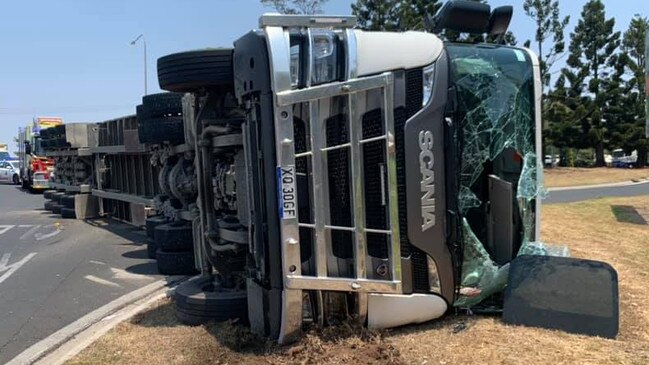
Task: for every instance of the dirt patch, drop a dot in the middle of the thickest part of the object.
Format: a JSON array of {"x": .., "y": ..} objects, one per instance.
[
  {"x": 573, "y": 176},
  {"x": 590, "y": 229}
]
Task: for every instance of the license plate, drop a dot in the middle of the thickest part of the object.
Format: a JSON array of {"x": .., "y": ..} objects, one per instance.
[{"x": 287, "y": 192}]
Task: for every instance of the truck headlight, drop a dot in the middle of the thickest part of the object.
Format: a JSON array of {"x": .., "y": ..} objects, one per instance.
[
  {"x": 324, "y": 56},
  {"x": 429, "y": 81}
]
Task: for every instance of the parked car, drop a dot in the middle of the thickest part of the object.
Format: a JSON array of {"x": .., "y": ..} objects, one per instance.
[
  {"x": 551, "y": 160},
  {"x": 9, "y": 172},
  {"x": 620, "y": 159}
]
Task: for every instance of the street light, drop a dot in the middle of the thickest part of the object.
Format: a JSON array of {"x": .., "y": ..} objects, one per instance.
[{"x": 141, "y": 36}]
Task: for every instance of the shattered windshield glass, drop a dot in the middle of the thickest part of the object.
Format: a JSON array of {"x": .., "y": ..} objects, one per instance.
[{"x": 495, "y": 102}]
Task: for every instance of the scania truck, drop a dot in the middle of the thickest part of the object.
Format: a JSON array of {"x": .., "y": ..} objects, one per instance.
[{"x": 380, "y": 176}]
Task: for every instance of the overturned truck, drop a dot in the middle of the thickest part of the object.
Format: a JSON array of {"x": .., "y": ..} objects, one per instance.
[{"x": 384, "y": 177}]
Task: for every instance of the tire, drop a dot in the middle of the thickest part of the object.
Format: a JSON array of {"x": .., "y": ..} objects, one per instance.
[
  {"x": 194, "y": 70},
  {"x": 175, "y": 263},
  {"x": 49, "y": 205},
  {"x": 56, "y": 208},
  {"x": 161, "y": 105},
  {"x": 68, "y": 201},
  {"x": 196, "y": 303},
  {"x": 161, "y": 129},
  {"x": 153, "y": 222},
  {"x": 56, "y": 197},
  {"x": 16, "y": 179},
  {"x": 68, "y": 213},
  {"x": 174, "y": 238},
  {"x": 47, "y": 194},
  {"x": 151, "y": 248}
]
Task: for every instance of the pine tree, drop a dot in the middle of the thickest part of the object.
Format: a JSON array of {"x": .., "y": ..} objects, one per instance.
[
  {"x": 592, "y": 53},
  {"x": 395, "y": 15},
  {"x": 632, "y": 63},
  {"x": 549, "y": 26},
  {"x": 402, "y": 15}
]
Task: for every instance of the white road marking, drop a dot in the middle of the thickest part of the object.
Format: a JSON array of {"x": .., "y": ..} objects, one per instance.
[
  {"x": 30, "y": 232},
  {"x": 97, "y": 262},
  {"x": 101, "y": 281},
  {"x": 4, "y": 261},
  {"x": 40, "y": 236},
  {"x": 125, "y": 275},
  {"x": 5, "y": 228},
  {"x": 25, "y": 225},
  {"x": 15, "y": 266}
]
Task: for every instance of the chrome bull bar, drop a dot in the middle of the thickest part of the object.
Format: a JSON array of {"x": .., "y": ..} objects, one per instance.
[{"x": 354, "y": 92}]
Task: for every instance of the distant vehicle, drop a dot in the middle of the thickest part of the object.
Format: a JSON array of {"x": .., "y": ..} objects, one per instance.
[
  {"x": 620, "y": 159},
  {"x": 35, "y": 167},
  {"x": 10, "y": 172},
  {"x": 4, "y": 152},
  {"x": 551, "y": 160}
]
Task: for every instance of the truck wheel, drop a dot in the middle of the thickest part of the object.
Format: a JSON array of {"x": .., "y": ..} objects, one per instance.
[
  {"x": 175, "y": 263},
  {"x": 161, "y": 105},
  {"x": 174, "y": 238},
  {"x": 56, "y": 196},
  {"x": 161, "y": 129},
  {"x": 49, "y": 205},
  {"x": 25, "y": 185},
  {"x": 68, "y": 213},
  {"x": 196, "y": 302},
  {"x": 151, "y": 248},
  {"x": 56, "y": 208},
  {"x": 194, "y": 70},
  {"x": 68, "y": 201},
  {"x": 47, "y": 194},
  {"x": 153, "y": 222}
]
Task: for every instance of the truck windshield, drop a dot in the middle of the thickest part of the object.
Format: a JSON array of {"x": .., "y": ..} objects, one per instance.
[
  {"x": 496, "y": 138},
  {"x": 495, "y": 94}
]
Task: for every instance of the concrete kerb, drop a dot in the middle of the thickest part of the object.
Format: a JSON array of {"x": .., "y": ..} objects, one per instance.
[
  {"x": 609, "y": 185},
  {"x": 73, "y": 338}
]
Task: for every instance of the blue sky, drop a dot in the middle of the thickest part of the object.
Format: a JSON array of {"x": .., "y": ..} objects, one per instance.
[{"x": 72, "y": 58}]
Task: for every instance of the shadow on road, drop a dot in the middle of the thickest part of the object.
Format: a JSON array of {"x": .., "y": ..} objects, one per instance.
[
  {"x": 628, "y": 214},
  {"x": 145, "y": 268},
  {"x": 134, "y": 235},
  {"x": 136, "y": 254}
]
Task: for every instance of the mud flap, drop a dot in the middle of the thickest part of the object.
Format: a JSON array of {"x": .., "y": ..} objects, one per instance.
[{"x": 572, "y": 295}]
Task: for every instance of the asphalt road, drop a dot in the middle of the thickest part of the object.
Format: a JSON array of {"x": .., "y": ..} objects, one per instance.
[
  {"x": 54, "y": 271},
  {"x": 568, "y": 196}
]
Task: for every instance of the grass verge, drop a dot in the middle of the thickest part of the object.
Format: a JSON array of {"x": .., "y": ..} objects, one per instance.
[
  {"x": 573, "y": 176},
  {"x": 591, "y": 229}
]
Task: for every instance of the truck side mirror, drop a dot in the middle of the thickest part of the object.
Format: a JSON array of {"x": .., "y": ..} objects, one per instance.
[{"x": 28, "y": 148}]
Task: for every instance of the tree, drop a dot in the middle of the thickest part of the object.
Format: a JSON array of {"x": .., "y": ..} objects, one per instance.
[
  {"x": 296, "y": 6},
  {"x": 632, "y": 62},
  {"x": 549, "y": 25},
  {"x": 402, "y": 15},
  {"x": 395, "y": 15},
  {"x": 592, "y": 53}
]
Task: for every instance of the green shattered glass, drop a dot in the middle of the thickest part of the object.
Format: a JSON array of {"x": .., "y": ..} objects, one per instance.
[{"x": 495, "y": 95}]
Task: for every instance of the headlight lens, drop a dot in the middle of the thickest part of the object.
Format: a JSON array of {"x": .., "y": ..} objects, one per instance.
[
  {"x": 323, "y": 56},
  {"x": 429, "y": 81}
]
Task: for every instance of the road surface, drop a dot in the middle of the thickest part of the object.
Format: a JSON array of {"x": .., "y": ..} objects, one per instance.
[
  {"x": 53, "y": 271},
  {"x": 568, "y": 196}
]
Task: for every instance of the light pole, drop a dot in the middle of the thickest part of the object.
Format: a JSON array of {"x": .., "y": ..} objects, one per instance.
[{"x": 141, "y": 36}]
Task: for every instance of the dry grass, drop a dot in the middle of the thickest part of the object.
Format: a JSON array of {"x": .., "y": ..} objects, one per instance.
[
  {"x": 595, "y": 229},
  {"x": 573, "y": 176}
]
